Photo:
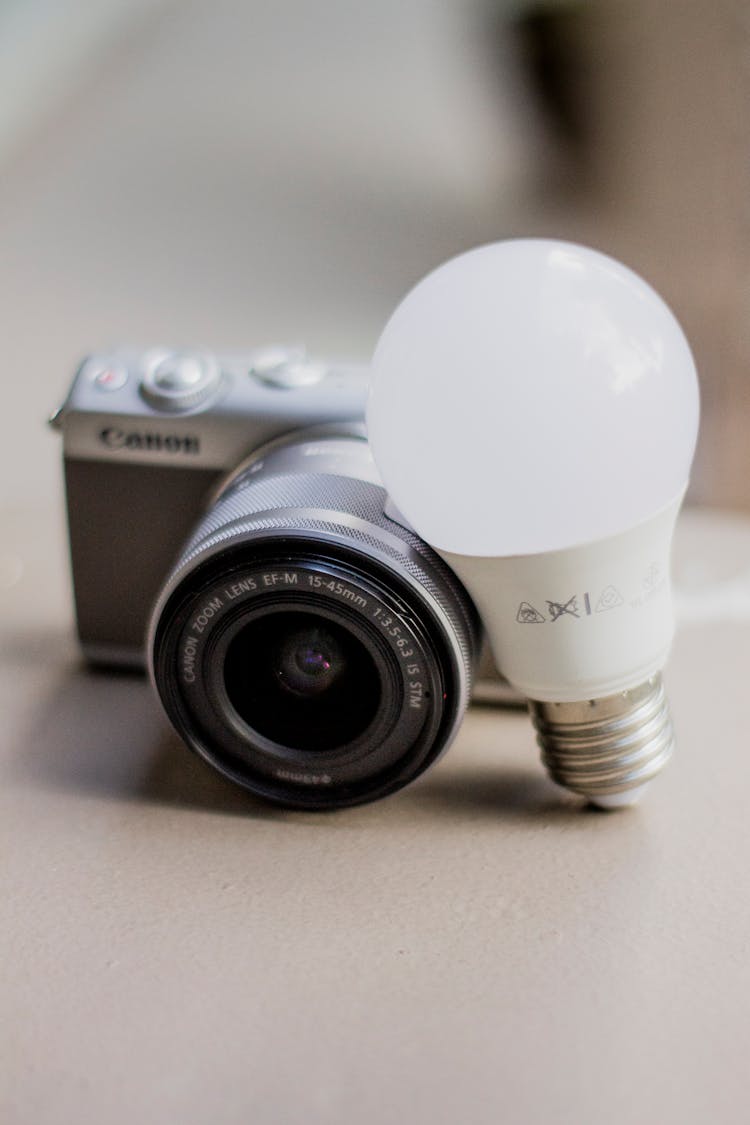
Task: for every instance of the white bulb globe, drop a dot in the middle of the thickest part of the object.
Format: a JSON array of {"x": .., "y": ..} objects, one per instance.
[
  {"x": 533, "y": 413},
  {"x": 531, "y": 395}
]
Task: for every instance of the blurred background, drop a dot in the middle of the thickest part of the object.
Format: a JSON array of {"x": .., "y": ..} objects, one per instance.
[{"x": 225, "y": 174}]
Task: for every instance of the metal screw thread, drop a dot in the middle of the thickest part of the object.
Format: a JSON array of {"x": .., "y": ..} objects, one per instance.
[{"x": 605, "y": 747}]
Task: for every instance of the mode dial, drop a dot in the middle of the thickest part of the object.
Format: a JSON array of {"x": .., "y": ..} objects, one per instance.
[{"x": 177, "y": 381}]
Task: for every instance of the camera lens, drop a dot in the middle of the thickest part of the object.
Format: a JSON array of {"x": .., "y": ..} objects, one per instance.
[
  {"x": 302, "y": 681},
  {"x": 307, "y": 646}
]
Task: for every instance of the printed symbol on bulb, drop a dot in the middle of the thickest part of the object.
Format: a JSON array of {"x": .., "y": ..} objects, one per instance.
[
  {"x": 652, "y": 577},
  {"x": 610, "y": 598},
  {"x": 563, "y": 609},
  {"x": 527, "y": 615}
]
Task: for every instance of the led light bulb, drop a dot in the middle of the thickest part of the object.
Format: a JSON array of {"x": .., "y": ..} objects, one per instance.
[{"x": 533, "y": 413}]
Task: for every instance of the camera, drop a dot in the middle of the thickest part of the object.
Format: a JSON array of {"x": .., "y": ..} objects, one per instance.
[{"x": 230, "y": 532}]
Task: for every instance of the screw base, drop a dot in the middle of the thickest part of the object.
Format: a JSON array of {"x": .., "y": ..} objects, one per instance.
[{"x": 606, "y": 749}]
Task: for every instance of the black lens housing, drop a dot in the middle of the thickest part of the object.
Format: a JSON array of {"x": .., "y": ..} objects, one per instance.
[{"x": 399, "y": 640}]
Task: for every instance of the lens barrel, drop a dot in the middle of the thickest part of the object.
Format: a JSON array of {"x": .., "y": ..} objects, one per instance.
[{"x": 307, "y": 646}]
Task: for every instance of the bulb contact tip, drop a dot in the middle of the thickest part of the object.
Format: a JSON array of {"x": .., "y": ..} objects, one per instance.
[{"x": 606, "y": 749}]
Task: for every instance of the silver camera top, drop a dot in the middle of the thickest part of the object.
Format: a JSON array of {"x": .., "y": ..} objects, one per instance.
[{"x": 180, "y": 407}]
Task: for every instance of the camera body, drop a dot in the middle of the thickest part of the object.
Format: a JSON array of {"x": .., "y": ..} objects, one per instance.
[
  {"x": 147, "y": 439},
  {"x": 229, "y": 530}
]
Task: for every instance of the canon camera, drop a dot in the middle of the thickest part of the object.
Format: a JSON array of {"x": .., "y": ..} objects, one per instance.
[{"x": 229, "y": 531}]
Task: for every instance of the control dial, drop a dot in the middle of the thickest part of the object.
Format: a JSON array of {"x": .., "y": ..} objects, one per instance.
[{"x": 177, "y": 381}]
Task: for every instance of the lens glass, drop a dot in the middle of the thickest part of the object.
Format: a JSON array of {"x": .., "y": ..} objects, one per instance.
[{"x": 302, "y": 680}]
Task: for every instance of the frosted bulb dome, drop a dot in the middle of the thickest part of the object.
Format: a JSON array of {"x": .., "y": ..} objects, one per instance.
[{"x": 529, "y": 396}]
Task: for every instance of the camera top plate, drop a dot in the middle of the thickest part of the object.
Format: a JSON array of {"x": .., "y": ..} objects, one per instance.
[{"x": 200, "y": 410}]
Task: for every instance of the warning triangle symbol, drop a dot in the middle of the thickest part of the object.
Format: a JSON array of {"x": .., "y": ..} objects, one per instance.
[{"x": 527, "y": 615}]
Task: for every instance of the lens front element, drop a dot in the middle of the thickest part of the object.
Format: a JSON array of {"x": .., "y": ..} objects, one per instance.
[{"x": 302, "y": 680}]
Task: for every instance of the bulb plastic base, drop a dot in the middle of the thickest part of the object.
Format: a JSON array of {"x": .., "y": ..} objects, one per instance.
[{"x": 606, "y": 749}]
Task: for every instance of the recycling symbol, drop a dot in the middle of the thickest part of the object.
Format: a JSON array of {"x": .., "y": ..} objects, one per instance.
[{"x": 610, "y": 598}]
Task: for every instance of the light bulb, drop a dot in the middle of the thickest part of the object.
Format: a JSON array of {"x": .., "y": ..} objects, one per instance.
[{"x": 533, "y": 413}]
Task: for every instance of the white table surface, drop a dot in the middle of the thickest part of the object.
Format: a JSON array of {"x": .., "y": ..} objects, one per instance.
[{"x": 476, "y": 948}]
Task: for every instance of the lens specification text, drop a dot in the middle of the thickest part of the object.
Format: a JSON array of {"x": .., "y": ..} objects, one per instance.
[
  {"x": 246, "y": 587},
  {"x": 318, "y": 582},
  {"x": 386, "y": 622},
  {"x": 402, "y": 644}
]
